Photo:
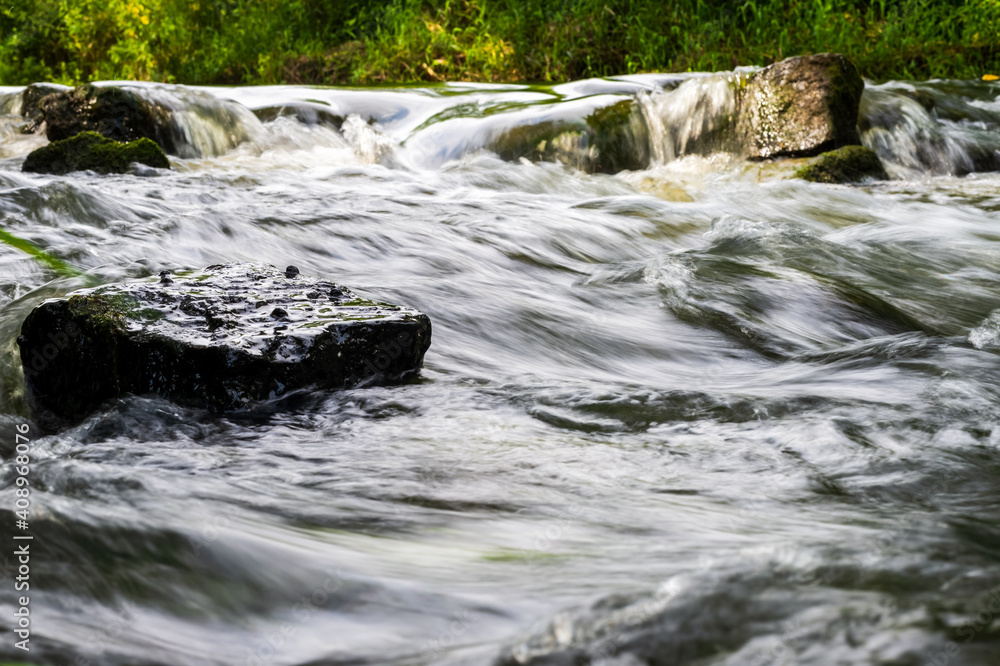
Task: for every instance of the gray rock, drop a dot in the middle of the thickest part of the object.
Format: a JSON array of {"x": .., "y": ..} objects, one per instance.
[
  {"x": 221, "y": 339},
  {"x": 800, "y": 107}
]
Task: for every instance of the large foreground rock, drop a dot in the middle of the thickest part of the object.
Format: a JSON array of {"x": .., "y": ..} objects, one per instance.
[
  {"x": 117, "y": 113},
  {"x": 91, "y": 151},
  {"x": 220, "y": 338},
  {"x": 800, "y": 107}
]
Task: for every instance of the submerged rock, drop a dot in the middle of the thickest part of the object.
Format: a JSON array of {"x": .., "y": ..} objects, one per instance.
[
  {"x": 610, "y": 139},
  {"x": 850, "y": 164},
  {"x": 220, "y": 339},
  {"x": 91, "y": 151},
  {"x": 114, "y": 112},
  {"x": 307, "y": 113},
  {"x": 800, "y": 107}
]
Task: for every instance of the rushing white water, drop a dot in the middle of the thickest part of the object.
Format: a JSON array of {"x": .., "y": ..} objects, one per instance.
[{"x": 687, "y": 414}]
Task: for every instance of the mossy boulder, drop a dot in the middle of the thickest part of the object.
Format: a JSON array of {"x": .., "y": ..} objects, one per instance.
[
  {"x": 112, "y": 111},
  {"x": 610, "y": 139},
  {"x": 800, "y": 107},
  {"x": 620, "y": 137},
  {"x": 850, "y": 164},
  {"x": 91, "y": 151},
  {"x": 220, "y": 339}
]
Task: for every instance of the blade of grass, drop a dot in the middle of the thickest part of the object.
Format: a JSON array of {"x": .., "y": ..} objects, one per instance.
[{"x": 43, "y": 257}]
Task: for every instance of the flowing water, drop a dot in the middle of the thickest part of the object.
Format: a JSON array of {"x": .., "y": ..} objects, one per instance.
[{"x": 693, "y": 413}]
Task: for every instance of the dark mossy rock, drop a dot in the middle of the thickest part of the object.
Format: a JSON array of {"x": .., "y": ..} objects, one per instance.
[
  {"x": 850, "y": 164},
  {"x": 220, "y": 339},
  {"x": 115, "y": 112},
  {"x": 30, "y": 109},
  {"x": 91, "y": 151},
  {"x": 800, "y": 107}
]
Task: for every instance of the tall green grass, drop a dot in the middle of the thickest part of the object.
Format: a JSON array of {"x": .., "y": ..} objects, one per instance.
[{"x": 401, "y": 41}]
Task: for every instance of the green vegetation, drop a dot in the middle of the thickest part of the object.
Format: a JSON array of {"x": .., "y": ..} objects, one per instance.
[
  {"x": 399, "y": 41},
  {"x": 43, "y": 257},
  {"x": 850, "y": 164}
]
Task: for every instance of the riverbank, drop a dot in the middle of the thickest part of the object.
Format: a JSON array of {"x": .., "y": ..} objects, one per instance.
[{"x": 362, "y": 43}]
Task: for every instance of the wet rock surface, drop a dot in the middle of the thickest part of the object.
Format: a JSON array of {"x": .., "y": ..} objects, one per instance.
[
  {"x": 91, "y": 151},
  {"x": 114, "y": 112},
  {"x": 801, "y": 107},
  {"x": 221, "y": 338},
  {"x": 850, "y": 164},
  {"x": 30, "y": 109},
  {"x": 610, "y": 139}
]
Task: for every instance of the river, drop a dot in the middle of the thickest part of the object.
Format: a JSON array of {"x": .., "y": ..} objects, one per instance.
[{"x": 690, "y": 414}]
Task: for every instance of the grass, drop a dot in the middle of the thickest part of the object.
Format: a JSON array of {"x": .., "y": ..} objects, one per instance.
[
  {"x": 361, "y": 42},
  {"x": 54, "y": 263}
]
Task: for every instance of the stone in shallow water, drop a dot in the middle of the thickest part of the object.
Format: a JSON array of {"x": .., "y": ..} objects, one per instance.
[
  {"x": 93, "y": 152},
  {"x": 220, "y": 338},
  {"x": 850, "y": 164},
  {"x": 801, "y": 106}
]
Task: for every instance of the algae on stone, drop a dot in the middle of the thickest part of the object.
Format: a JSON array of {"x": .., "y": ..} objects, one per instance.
[
  {"x": 850, "y": 164},
  {"x": 91, "y": 151},
  {"x": 610, "y": 139},
  {"x": 219, "y": 339},
  {"x": 112, "y": 111},
  {"x": 801, "y": 106}
]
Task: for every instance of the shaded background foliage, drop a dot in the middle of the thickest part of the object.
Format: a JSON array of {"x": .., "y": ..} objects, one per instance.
[{"x": 400, "y": 41}]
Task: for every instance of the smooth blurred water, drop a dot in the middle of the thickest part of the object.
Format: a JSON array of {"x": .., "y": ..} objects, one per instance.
[{"x": 694, "y": 414}]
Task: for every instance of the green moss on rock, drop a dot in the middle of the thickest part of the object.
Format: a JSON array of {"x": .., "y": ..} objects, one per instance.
[
  {"x": 850, "y": 164},
  {"x": 800, "y": 107},
  {"x": 91, "y": 151},
  {"x": 249, "y": 332},
  {"x": 620, "y": 137}
]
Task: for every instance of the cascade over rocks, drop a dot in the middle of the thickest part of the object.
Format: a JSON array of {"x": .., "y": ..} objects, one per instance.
[
  {"x": 610, "y": 139},
  {"x": 800, "y": 107},
  {"x": 220, "y": 339}
]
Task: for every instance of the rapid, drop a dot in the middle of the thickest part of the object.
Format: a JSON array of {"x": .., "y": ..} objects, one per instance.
[{"x": 693, "y": 413}]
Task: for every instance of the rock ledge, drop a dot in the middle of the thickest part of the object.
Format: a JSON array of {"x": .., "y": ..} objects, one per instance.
[{"x": 220, "y": 339}]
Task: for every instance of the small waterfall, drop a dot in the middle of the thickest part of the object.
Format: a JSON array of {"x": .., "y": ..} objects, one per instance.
[
  {"x": 370, "y": 145},
  {"x": 928, "y": 129},
  {"x": 10, "y": 102},
  {"x": 201, "y": 124},
  {"x": 696, "y": 117}
]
